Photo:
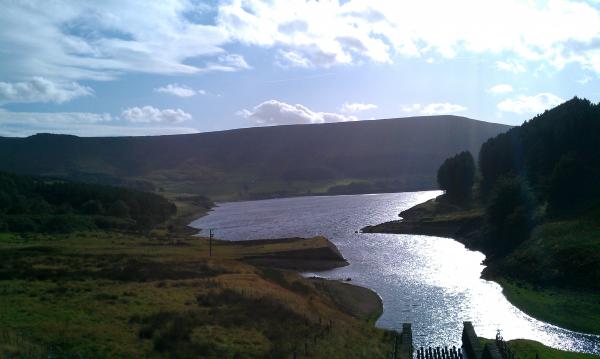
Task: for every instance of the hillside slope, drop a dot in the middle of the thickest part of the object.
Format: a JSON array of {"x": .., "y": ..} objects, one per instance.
[{"x": 369, "y": 156}]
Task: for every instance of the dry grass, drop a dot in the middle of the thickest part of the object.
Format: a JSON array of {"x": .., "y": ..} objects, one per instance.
[{"x": 101, "y": 295}]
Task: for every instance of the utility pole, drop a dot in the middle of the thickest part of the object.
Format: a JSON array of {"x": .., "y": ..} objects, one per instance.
[{"x": 210, "y": 238}]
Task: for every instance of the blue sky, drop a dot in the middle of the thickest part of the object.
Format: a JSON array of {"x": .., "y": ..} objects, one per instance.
[{"x": 112, "y": 68}]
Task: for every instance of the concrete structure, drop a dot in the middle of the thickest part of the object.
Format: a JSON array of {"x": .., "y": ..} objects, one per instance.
[
  {"x": 471, "y": 347},
  {"x": 406, "y": 342},
  {"x": 490, "y": 351}
]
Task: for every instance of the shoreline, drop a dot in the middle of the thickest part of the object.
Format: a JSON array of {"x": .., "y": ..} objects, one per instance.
[
  {"x": 189, "y": 208},
  {"x": 282, "y": 195},
  {"x": 319, "y": 255},
  {"x": 293, "y": 254},
  {"x": 463, "y": 225},
  {"x": 315, "y": 257},
  {"x": 460, "y": 224}
]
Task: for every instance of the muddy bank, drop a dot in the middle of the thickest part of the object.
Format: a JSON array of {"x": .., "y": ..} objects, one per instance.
[{"x": 298, "y": 254}]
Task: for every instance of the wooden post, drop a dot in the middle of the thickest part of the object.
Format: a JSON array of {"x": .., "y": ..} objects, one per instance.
[{"x": 210, "y": 238}]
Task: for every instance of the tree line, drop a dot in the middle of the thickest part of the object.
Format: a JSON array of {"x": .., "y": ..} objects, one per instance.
[
  {"x": 29, "y": 204},
  {"x": 546, "y": 169}
]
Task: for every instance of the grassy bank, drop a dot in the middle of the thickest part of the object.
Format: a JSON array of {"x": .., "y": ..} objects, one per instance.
[
  {"x": 357, "y": 301},
  {"x": 575, "y": 310},
  {"x": 554, "y": 275},
  {"x": 438, "y": 217},
  {"x": 530, "y": 349},
  {"x": 527, "y": 349},
  {"x": 106, "y": 294}
]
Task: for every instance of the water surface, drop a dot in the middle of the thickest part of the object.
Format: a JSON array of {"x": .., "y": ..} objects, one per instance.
[{"x": 432, "y": 282}]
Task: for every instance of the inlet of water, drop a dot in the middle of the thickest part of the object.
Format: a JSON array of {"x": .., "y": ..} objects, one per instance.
[{"x": 432, "y": 282}]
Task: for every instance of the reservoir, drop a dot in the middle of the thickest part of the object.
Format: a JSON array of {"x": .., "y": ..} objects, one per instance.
[{"x": 432, "y": 282}]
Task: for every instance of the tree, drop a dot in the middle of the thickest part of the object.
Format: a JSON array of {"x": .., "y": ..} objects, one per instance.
[
  {"x": 92, "y": 207},
  {"x": 572, "y": 186},
  {"x": 118, "y": 209},
  {"x": 457, "y": 175},
  {"x": 510, "y": 213}
]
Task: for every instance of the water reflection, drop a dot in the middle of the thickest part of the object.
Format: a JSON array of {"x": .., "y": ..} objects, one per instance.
[{"x": 430, "y": 281}]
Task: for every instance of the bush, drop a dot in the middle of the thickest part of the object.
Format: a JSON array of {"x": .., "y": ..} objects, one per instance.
[
  {"x": 67, "y": 223},
  {"x": 21, "y": 223},
  {"x": 92, "y": 207},
  {"x": 105, "y": 222},
  {"x": 118, "y": 209}
]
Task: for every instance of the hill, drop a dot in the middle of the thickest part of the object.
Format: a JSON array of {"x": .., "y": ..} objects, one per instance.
[{"x": 334, "y": 158}]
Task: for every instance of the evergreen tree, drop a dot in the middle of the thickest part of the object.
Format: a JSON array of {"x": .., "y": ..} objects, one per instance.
[{"x": 457, "y": 175}]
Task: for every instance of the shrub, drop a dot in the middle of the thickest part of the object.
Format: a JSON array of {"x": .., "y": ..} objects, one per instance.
[
  {"x": 21, "y": 223},
  {"x": 92, "y": 207},
  {"x": 118, "y": 209},
  {"x": 66, "y": 223}
]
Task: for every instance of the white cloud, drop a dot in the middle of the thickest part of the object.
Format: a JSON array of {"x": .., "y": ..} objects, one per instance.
[
  {"x": 441, "y": 109},
  {"x": 179, "y": 90},
  {"x": 73, "y": 40},
  {"x": 292, "y": 59},
  {"x": 584, "y": 80},
  {"x": 274, "y": 112},
  {"x": 357, "y": 107},
  {"x": 415, "y": 107},
  {"x": 530, "y": 104},
  {"x": 53, "y": 117},
  {"x": 511, "y": 66},
  {"x": 40, "y": 89},
  {"x": 500, "y": 89},
  {"x": 20, "y": 124},
  {"x": 309, "y": 33},
  {"x": 149, "y": 114},
  {"x": 102, "y": 39},
  {"x": 431, "y": 109},
  {"x": 233, "y": 62},
  {"x": 322, "y": 33}
]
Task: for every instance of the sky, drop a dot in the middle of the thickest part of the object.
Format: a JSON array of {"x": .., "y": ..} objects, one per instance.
[{"x": 116, "y": 68}]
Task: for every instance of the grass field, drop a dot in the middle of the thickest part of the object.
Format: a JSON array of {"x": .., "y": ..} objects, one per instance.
[{"x": 108, "y": 295}]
